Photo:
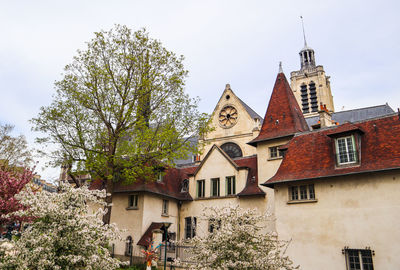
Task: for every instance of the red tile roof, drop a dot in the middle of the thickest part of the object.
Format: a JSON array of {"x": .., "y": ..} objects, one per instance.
[
  {"x": 170, "y": 186},
  {"x": 311, "y": 155},
  {"x": 283, "y": 117},
  {"x": 251, "y": 187},
  {"x": 147, "y": 237}
]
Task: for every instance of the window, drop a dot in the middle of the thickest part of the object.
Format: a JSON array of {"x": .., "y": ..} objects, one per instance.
[
  {"x": 232, "y": 149},
  {"x": 215, "y": 187},
  {"x": 275, "y": 153},
  {"x": 213, "y": 224},
  {"x": 190, "y": 227},
  {"x": 128, "y": 246},
  {"x": 159, "y": 177},
  {"x": 185, "y": 185},
  {"x": 230, "y": 185},
  {"x": 200, "y": 188},
  {"x": 165, "y": 208},
  {"x": 302, "y": 193},
  {"x": 133, "y": 201},
  {"x": 346, "y": 150},
  {"x": 359, "y": 259}
]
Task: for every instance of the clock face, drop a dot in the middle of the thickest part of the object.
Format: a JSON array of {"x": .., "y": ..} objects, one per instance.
[{"x": 228, "y": 116}]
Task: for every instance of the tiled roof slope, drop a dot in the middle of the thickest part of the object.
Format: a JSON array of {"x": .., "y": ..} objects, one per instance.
[
  {"x": 311, "y": 155},
  {"x": 146, "y": 238},
  {"x": 251, "y": 187},
  {"x": 250, "y": 111},
  {"x": 171, "y": 185},
  {"x": 283, "y": 116},
  {"x": 355, "y": 115}
]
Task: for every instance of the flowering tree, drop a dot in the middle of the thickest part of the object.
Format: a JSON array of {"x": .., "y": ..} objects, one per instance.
[
  {"x": 66, "y": 234},
  {"x": 238, "y": 241},
  {"x": 11, "y": 183}
]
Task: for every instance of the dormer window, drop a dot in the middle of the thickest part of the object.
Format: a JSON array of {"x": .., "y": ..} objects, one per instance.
[
  {"x": 346, "y": 151},
  {"x": 275, "y": 152},
  {"x": 185, "y": 185},
  {"x": 159, "y": 177}
]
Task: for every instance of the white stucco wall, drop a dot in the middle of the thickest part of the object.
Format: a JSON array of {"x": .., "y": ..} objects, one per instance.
[{"x": 356, "y": 211}]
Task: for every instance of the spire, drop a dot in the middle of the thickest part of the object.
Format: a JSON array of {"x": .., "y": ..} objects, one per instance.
[
  {"x": 304, "y": 33},
  {"x": 283, "y": 117},
  {"x": 280, "y": 67},
  {"x": 307, "y": 59}
]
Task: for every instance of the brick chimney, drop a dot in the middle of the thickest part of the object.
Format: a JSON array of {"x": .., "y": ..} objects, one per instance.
[{"x": 325, "y": 117}]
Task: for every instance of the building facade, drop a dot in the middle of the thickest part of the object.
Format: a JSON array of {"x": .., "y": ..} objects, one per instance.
[{"x": 331, "y": 179}]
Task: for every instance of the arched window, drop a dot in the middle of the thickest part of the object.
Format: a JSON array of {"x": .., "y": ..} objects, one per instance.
[
  {"x": 232, "y": 149},
  {"x": 128, "y": 246}
]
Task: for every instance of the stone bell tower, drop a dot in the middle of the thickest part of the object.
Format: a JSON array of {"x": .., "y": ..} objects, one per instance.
[{"x": 310, "y": 84}]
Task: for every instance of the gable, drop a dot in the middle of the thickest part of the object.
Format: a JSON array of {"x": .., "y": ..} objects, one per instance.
[
  {"x": 245, "y": 120},
  {"x": 215, "y": 163}
]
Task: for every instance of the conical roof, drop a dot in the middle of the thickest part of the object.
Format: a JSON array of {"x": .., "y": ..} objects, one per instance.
[{"x": 283, "y": 117}]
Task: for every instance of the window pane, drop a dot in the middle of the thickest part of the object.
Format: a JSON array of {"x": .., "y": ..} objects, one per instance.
[
  {"x": 273, "y": 152},
  {"x": 215, "y": 187},
  {"x": 303, "y": 192},
  {"x": 294, "y": 193},
  {"x": 311, "y": 191},
  {"x": 354, "y": 260},
  {"x": 367, "y": 260},
  {"x": 200, "y": 188}
]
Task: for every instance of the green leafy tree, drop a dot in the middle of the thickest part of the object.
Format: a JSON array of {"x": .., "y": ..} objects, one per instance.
[
  {"x": 120, "y": 111},
  {"x": 14, "y": 151}
]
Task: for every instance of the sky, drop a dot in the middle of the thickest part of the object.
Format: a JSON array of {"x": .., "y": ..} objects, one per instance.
[{"x": 235, "y": 42}]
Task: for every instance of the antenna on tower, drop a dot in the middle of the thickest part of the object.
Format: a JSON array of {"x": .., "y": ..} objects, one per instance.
[{"x": 304, "y": 33}]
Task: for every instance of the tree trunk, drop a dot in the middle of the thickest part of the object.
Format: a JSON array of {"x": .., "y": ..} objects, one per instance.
[{"x": 109, "y": 190}]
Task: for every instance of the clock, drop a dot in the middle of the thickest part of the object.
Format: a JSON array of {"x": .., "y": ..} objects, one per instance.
[{"x": 228, "y": 116}]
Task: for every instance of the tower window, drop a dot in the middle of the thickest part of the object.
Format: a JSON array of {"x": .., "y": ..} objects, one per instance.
[
  {"x": 304, "y": 98},
  {"x": 313, "y": 97}
]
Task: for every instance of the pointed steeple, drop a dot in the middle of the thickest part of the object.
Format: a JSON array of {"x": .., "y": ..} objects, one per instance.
[
  {"x": 307, "y": 57},
  {"x": 283, "y": 117}
]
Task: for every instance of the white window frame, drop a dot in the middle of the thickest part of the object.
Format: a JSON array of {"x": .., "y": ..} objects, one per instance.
[
  {"x": 165, "y": 206},
  {"x": 344, "y": 150}
]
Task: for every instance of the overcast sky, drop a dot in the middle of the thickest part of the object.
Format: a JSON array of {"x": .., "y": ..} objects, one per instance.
[{"x": 236, "y": 42}]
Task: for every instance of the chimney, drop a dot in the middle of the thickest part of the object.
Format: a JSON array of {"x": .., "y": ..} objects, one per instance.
[{"x": 325, "y": 117}]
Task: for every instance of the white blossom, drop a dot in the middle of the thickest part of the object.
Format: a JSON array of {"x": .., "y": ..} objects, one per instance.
[
  {"x": 66, "y": 234},
  {"x": 239, "y": 241}
]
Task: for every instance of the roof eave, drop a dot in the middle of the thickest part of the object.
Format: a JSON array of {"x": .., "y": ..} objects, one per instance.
[
  {"x": 271, "y": 185},
  {"x": 255, "y": 141}
]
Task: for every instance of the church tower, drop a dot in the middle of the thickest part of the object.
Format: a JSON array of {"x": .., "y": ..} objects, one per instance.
[{"x": 310, "y": 84}]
